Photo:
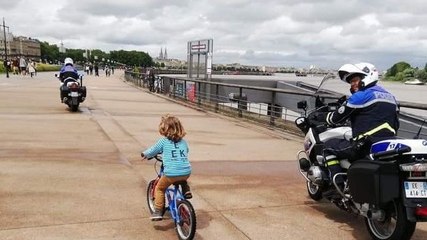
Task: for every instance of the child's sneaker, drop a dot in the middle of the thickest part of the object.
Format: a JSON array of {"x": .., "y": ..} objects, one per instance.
[
  {"x": 188, "y": 195},
  {"x": 156, "y": 215}
]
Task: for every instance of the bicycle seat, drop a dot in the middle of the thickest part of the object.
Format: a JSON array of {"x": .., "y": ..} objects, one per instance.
[{"x": 180, "y": 182}]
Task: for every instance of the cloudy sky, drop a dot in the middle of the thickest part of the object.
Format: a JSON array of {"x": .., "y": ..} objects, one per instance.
[{"x": 325, "y": 33}]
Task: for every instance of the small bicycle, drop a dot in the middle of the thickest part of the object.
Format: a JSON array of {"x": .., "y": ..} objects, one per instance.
[{"x": 181, "y": 210}]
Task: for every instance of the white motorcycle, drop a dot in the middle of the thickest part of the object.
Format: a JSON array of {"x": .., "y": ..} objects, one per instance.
[{"x": 388, "y": 188}]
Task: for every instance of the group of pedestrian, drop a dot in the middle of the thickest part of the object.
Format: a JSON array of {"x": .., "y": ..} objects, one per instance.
[
  {"x": 93, "y": 69},
  {"x": 21, "y": 66}
]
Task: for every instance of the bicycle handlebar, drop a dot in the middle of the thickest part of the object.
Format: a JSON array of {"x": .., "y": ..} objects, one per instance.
[{"x": 158, "y": 157}]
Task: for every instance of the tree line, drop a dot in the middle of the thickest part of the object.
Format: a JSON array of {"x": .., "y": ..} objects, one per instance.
[
  {"x": 52, "y": 54},
  {"x": 403, "y": 71}
]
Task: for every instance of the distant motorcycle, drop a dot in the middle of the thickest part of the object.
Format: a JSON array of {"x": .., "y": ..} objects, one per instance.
[
  {"x": 388, "y": 188},
  {"x": 72, "y": 92}
]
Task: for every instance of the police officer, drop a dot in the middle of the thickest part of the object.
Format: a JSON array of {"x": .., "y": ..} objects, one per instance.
[
  {"x": 68, "y": 70},
  {"x": 373, "y": 114}
]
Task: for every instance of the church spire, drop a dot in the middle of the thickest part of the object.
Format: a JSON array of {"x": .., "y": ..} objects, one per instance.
[
  {"x": 165, "y": 56},
  {"x": 161, "y": 53}
]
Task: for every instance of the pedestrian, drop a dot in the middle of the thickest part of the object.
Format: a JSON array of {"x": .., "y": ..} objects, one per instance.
[
  {"x": 96, "y": 70},
  {"x": 151, "y": 79},
  {"x": 177, "y": 167},
  {"x": 23, "y": 65},
  {"x": 31, "y": 69}
]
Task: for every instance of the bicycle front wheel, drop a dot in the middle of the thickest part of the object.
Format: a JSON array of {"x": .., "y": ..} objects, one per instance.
[
  {"x": 151, "y": 196},
  {"x": 186, "y": 228}
]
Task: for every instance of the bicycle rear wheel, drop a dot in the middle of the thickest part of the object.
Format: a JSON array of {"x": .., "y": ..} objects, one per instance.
[{"x": 186, "y": 228}]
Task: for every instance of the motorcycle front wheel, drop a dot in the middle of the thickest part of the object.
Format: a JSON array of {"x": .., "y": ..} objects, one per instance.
[
  {"x": 393, "y": 226},
  {"x": 314, "y": 191}
]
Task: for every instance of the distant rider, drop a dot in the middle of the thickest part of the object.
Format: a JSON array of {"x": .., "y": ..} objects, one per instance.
[
  {"x": 373, "y": 114},
  {"x": 68, "y": 70}
]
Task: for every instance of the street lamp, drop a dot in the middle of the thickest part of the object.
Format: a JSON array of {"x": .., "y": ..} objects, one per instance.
[{"x": 5, "y": 48}]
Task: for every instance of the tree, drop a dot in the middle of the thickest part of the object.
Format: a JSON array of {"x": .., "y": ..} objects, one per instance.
[
  {"x": 75, "y": 54},
  {"x": 50, "y": 53},
  {"x": 408, "y": 73},
  {"x": 396, "y": 68},
  {"x": 132, "y": 58},
  {"x": 421, "y": 75}
]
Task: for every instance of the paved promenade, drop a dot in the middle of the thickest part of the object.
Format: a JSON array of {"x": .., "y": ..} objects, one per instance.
[{"x": 67, "y": 175}]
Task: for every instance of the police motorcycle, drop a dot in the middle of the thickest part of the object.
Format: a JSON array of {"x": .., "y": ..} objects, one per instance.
[
  {"x": 72, "y": 92},
  {"x": 388, "y": 188}
]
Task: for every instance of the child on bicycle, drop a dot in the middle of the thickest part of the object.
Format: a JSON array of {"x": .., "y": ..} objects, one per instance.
[{"x": 174, "y": 150}]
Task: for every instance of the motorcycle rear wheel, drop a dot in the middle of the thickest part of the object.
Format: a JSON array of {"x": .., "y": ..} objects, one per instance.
[
  {"x": 394, "y": 226},
  {"x": 314, "y": 191},
  {"x": 74, "y": 108}
]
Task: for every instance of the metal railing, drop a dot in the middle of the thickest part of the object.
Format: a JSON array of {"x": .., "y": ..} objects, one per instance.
[{"x": 233, "y": 100}]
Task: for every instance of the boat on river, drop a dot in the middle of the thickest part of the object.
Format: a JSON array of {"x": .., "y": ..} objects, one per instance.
[{"x": 414, "y": 82}]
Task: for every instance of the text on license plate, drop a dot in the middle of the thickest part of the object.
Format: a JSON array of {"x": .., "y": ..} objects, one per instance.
[
  {"x": 74, "y": 94},
  {"x": 415, "y": 189}
]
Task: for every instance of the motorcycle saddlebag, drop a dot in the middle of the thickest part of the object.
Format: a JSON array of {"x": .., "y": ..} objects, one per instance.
[
  {"x": 64, "y": 91},
  {"x": 373, "y": 182},
  {"x": 83, "y": 90}
]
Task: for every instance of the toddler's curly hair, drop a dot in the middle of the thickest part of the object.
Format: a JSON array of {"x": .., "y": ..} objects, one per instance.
[{"x": 171, "y": 127}]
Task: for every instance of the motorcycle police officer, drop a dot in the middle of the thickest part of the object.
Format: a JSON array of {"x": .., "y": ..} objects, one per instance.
[
  {"x": 373, "y": 114},
  {"x": 68, "y": 70}
]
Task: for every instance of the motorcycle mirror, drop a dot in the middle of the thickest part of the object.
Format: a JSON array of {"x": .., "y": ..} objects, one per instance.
[{"x": 302, "y": 105}]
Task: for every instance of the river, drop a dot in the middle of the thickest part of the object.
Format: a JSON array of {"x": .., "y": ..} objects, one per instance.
[{"x": 402, "y": 92}]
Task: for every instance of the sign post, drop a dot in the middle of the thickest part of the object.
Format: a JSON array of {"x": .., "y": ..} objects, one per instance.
[{"x": 199, "y": 60}]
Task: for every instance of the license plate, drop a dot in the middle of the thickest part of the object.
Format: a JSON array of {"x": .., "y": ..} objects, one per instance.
[
  {"x": 415, "y": 189},
  {"x": 74, "y": 94}
]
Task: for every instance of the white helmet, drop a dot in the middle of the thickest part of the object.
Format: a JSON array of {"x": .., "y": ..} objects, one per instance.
[
  {"x": 68, "y": 61},
  {"x": 368, "y": 72}
]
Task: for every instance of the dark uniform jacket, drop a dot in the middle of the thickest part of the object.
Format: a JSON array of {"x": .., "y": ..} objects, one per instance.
[{"x": 372, "y": 111}]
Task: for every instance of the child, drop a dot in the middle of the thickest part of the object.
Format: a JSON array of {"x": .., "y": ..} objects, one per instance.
[{"x": 174, "y": 150}]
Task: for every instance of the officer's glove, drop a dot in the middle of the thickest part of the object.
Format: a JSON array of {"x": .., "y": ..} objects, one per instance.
[{"x": 342, "y": 99}]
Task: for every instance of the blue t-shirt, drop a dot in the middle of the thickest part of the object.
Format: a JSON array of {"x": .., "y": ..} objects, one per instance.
[{"x": 174, "y": 154}]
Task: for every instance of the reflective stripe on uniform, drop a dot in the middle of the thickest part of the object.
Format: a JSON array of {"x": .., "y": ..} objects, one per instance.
[
  {"x": 329, "y": 118},
  {"x": 333, "y": 162},
  {"x": 375, "y": 130}
]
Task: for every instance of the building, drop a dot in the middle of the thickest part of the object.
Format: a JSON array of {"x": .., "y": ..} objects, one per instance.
[
  {"x": 163, "y": 56},
  {"x": 21, "y": 46}
]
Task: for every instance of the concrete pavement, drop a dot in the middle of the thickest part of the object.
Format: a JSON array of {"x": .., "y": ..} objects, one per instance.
[{"x": 67, "y": 175}]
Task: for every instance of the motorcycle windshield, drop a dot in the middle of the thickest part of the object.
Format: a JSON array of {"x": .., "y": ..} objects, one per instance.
[{"x": 331, "y": 84}]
